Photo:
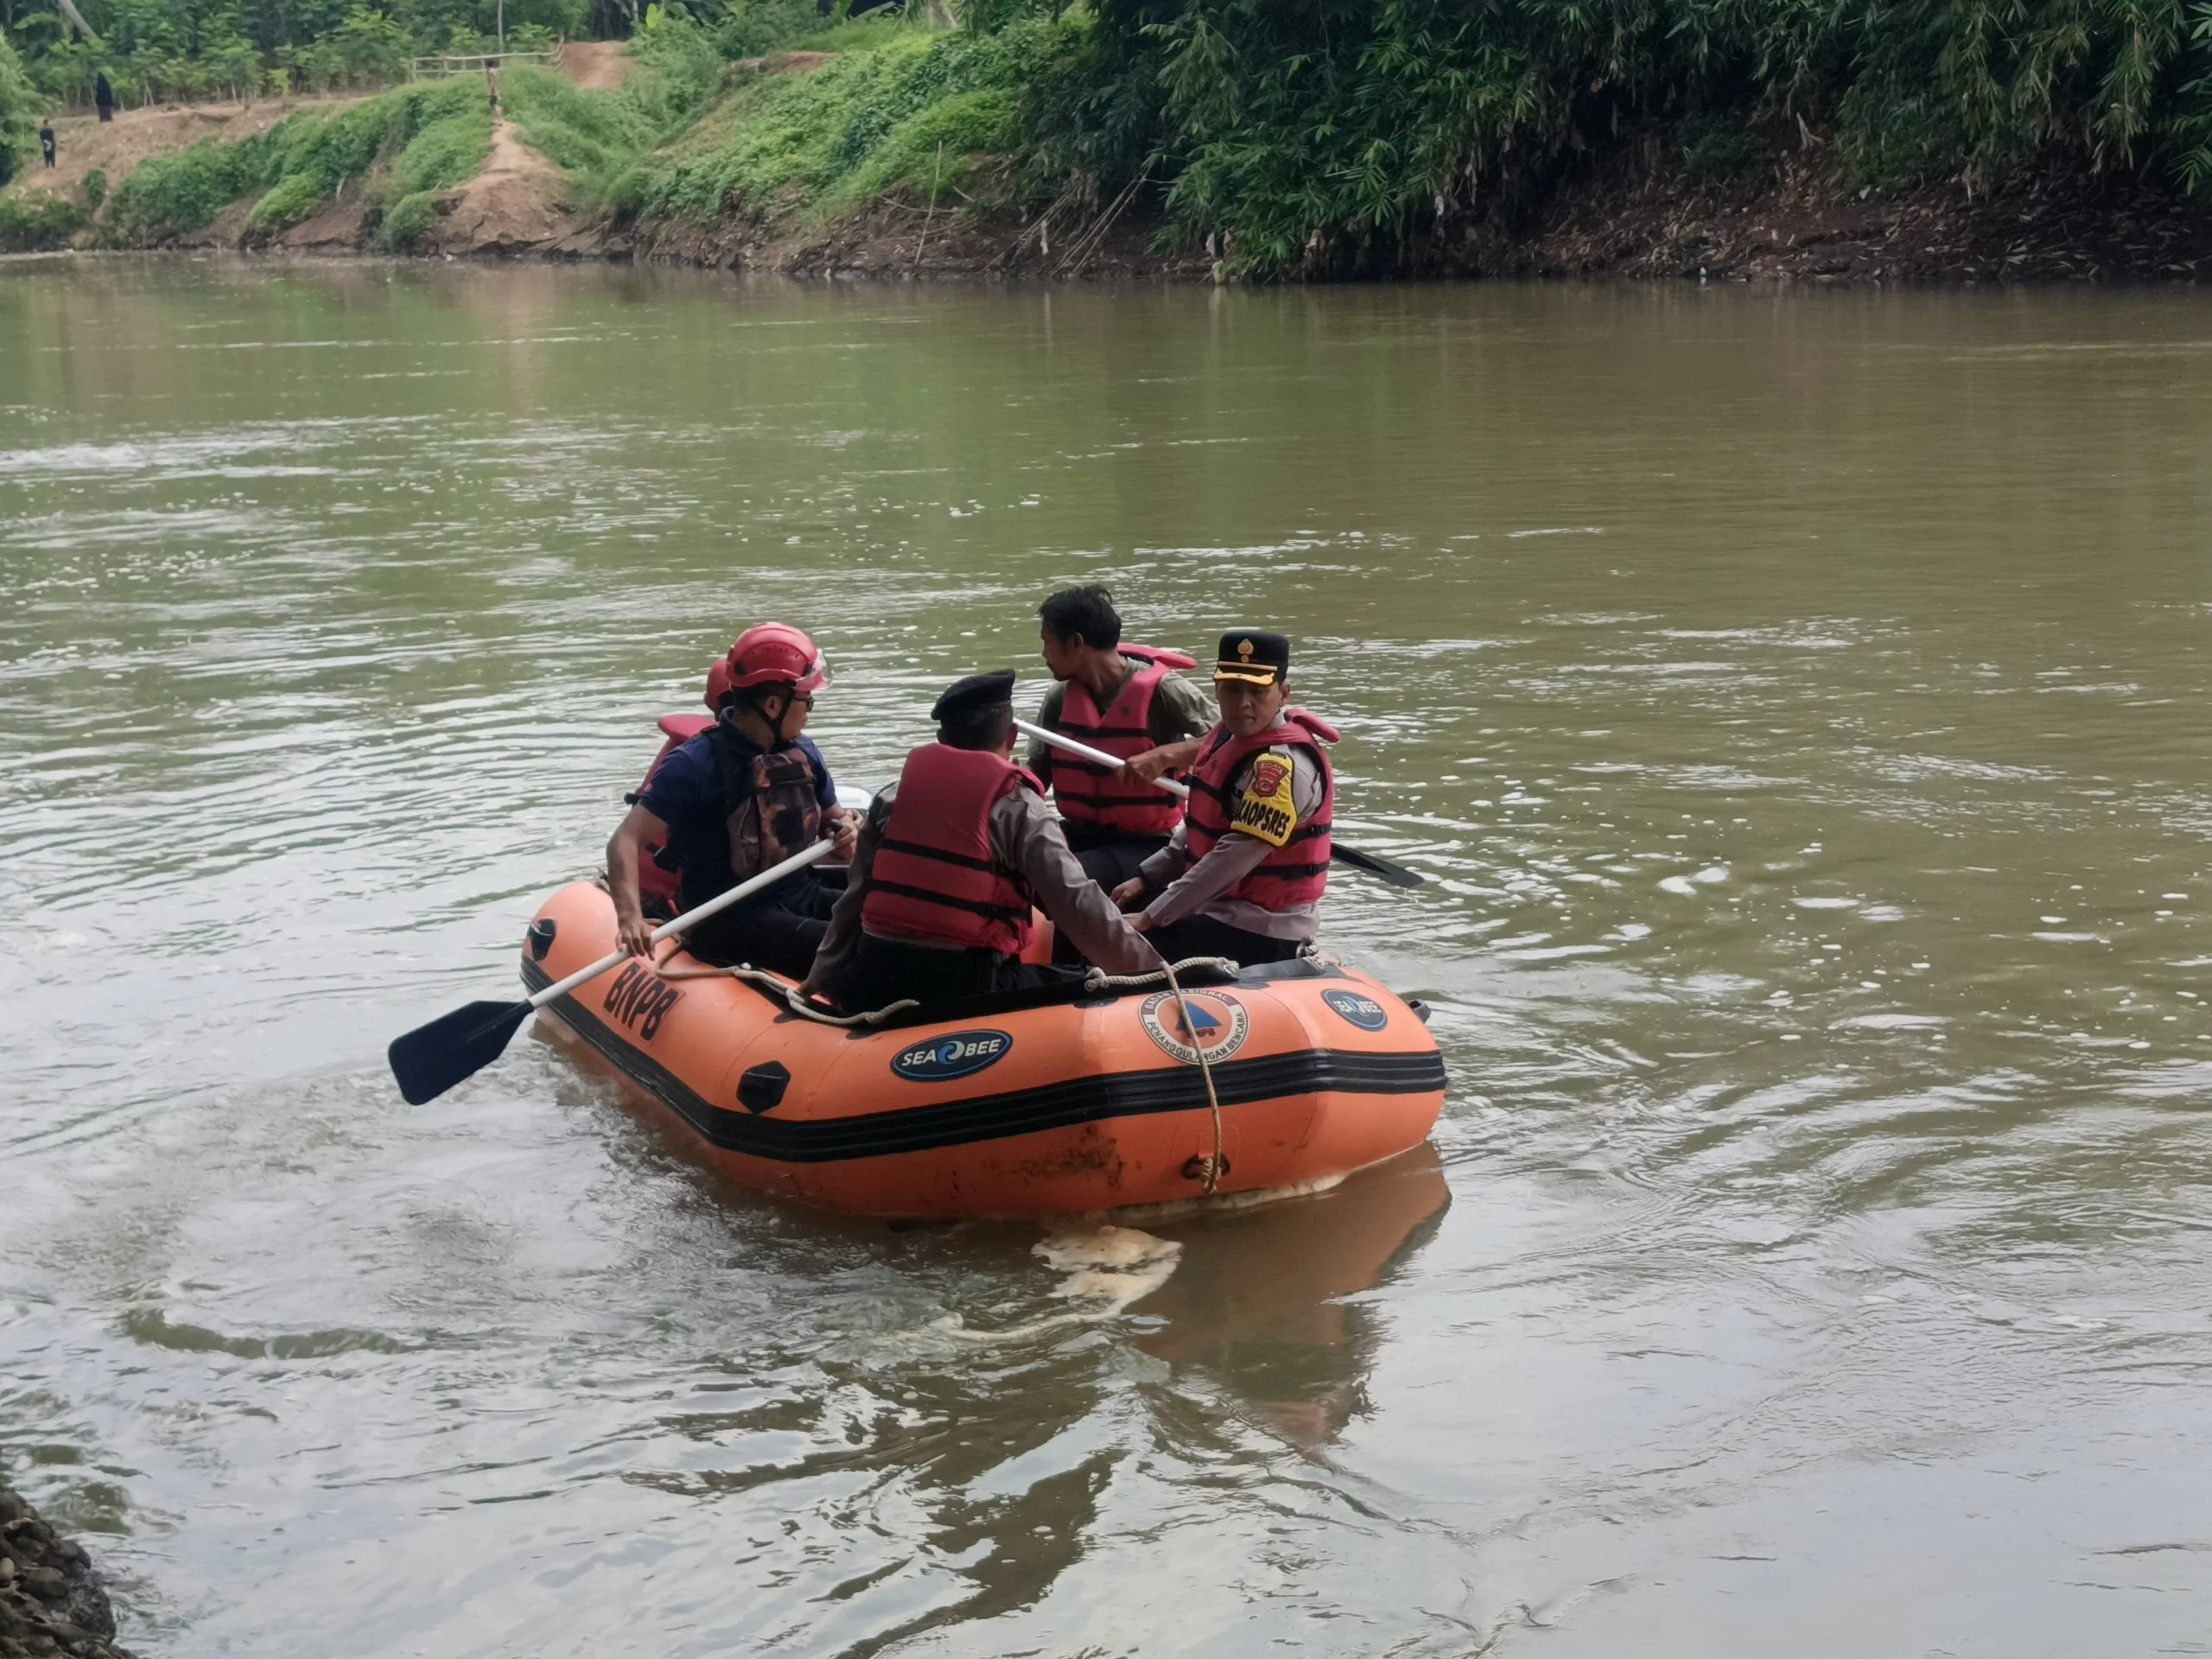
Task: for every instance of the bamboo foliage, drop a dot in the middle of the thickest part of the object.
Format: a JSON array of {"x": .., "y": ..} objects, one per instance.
[{"x": 1314, "y": 134}]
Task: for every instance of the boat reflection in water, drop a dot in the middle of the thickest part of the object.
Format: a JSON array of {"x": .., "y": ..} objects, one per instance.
[{"x": 1256, "y": 1302}]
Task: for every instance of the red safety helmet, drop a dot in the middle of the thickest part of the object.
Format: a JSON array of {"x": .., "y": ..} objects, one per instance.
[
  {"x": 717, "y": 684},
  {"x": 775, "y": 653}
]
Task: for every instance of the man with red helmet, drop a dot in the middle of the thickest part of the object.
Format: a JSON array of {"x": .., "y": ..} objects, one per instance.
[{"x": 742, "y": 796}]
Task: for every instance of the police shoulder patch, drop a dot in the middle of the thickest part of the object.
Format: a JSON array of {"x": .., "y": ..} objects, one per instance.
[{"x": 1266, "y": 809}]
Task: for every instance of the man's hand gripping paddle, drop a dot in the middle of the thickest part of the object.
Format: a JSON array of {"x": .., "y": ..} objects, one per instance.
[
  {"x": 431, "y": 1059},
  {"x": 1396, "y": 874}
]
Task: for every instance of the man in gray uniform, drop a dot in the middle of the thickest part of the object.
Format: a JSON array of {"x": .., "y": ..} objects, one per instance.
[
  {"x": 1244, "y": 874},
  {"x": 950, "y": 861}
]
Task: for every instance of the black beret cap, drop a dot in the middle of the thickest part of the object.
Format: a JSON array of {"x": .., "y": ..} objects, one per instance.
[
  {"x": 1253, "y": 655},
  {"x": 976, "y": 692}
]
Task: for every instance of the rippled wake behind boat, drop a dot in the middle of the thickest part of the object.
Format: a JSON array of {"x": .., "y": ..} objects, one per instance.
[{"x": 1795, "y": 703}]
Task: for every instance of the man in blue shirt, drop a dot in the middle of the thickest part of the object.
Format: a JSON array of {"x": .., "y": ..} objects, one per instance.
[{"x": 743, "y": 796}]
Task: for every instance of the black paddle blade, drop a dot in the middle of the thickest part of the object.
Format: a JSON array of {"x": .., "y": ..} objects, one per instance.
[
  {"x": 1380, "y": 867},
  {"x": 430, "y": 1059}
]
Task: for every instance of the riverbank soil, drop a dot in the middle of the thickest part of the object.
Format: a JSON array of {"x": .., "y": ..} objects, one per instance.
[
  {"x": 1627, "y": 217},
  {"x": 893, "y": 239},
  {"x": 1794, "y": 222},
  {"x": 51, "y": 1602}
]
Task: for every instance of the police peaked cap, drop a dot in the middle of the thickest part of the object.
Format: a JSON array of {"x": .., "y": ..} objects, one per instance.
[
  {"x": 1253, "y": 656},
  {"x": 975, "y": 694}
]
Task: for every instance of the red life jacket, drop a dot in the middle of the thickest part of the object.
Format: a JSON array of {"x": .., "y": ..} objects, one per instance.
[
  {"x": 1296, "y": 873},
  {"x": 1087, "y": 792},
  {"x": 934, "y": 876},
  {"x": 656, "y": 880}
]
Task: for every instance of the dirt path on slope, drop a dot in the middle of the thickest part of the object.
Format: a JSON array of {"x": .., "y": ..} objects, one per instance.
[
  {"x": 519, "y": 204},
  {"x": 596, "y": 66}
]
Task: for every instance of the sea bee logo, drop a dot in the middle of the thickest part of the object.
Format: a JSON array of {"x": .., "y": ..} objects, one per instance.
[
  {"x": 1221, "y": 1022},
  {"x": 957, "y": 1054},
  {"x": 1363, "y": 1011}
]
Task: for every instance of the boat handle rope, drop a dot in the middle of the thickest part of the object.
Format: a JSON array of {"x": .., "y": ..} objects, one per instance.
[
  {"x": 1098, "y": 979},
  {"x": 1213, "y": 1165},
  {"x": 778, "y": 986}
]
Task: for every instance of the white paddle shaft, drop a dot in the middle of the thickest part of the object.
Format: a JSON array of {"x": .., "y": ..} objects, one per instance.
[
  {"x": 714, "y": 907},
  {"x": 1060, "y": 741}
]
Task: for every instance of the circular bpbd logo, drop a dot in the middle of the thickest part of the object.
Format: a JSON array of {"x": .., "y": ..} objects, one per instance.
[
  {"x": 1362, "y": 1011},
  {"x": 956, "y": 1054},
  {"x": 1222, "y": 1022}
]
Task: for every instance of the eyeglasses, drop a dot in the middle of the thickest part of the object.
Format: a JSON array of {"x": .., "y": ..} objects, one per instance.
[{"x": 804, "y": 699}]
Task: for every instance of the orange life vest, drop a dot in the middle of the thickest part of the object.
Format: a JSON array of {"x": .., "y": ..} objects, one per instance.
[
  {"x": 657, "y": 880},
  {"x": 1297, "y": 872},
  {"x": 934, "y": 875},
  {"x": 1089, "y": 793}
]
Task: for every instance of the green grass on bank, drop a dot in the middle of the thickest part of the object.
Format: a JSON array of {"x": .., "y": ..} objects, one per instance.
[
  {"x": 414, "y": 140},
  {"x": 399, "y": 148},
  {"x": 596, "y": 137},
  {"x": 33, "y": 224},
  {"x": 899, "y": 109}
]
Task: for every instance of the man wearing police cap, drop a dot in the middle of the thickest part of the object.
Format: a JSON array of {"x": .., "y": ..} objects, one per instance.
[
  {"x": 1244, "y": 874},
  {"x": 951, "y": 860}
]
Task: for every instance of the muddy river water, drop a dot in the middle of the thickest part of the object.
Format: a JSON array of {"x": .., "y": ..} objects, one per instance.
[{"x": 1797, "y": 702}]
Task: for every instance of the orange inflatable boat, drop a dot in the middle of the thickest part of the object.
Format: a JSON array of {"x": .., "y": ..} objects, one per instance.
[{"x": 1031, "y": 1103}]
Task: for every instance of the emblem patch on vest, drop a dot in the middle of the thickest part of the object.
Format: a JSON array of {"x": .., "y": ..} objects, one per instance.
[
  {"x": 957, "y": 1054},
  {"x": 1362, "y": 1011},
  {"x": 1265, "y": 809},
  {"x": 1222, "y": 1026}
]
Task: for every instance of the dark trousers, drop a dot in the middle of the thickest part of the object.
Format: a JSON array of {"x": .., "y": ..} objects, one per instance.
[
  {"x": 882, "y": 971},
  {"x": 1202, "y": 935},
  {"x": 780, "y": 930},
  {"x": 1109, "y": 859}
]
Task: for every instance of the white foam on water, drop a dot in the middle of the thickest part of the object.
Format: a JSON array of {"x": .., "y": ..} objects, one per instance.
[
  {"x": 1118, "y": 1265},
  {"x": 1108, "y": 1266}
]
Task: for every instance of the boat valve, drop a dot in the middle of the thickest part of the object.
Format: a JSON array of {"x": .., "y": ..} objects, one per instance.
[{"x": 1199, "y": 1167}]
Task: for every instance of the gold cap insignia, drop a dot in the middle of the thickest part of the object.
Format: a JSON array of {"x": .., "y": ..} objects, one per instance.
[{"x": 1244, "y": 651}]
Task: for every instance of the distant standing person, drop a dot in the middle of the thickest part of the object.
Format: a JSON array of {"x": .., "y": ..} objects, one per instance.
[
  {"x": 104, "y": 97},
  {"x": 492, "y": 84},
  {"x": 46, "y": 140}
]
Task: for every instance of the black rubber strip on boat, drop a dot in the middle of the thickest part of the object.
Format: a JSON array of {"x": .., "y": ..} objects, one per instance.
[{"x": 992, "y": 1117}]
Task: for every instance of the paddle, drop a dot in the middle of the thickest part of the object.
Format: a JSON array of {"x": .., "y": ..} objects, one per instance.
[
  {"x": 1396, "y": 874},
  {"x": 430, "y": 1059}
]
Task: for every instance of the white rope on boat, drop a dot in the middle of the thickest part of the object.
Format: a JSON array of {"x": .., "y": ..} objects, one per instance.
[
  {"x": 1095, "y": 981},
  {"x": 776, "y": 985},
  {"x": 1099, "y": 980}
]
